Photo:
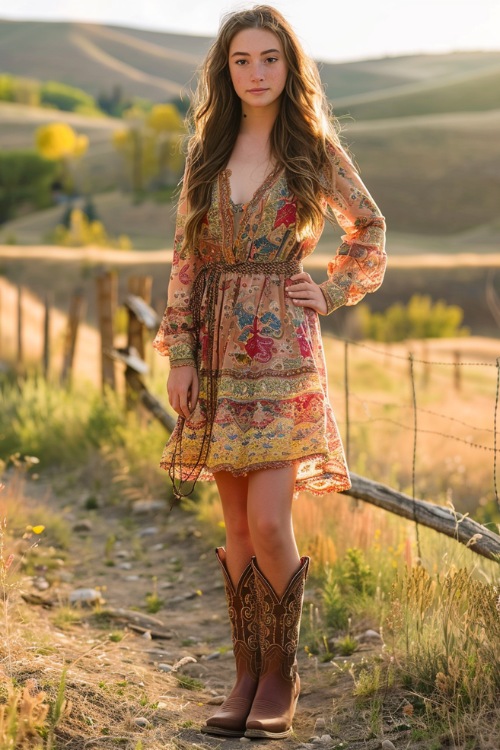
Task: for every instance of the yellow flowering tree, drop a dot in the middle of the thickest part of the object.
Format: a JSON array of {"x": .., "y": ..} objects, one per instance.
[
  {"x": 150, "y": 145},
  {"x": 59, "y": 142},
  {"x": 166, "y": 123}
]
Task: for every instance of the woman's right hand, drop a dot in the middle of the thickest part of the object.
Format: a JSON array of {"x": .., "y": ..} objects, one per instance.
[{"x": 182, "y": 389}]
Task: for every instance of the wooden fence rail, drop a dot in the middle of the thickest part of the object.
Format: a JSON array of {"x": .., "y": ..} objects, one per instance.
[{"x": 455, "y": 525}]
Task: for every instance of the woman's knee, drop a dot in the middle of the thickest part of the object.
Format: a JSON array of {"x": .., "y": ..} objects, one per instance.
[{"x": 269, "y": 532}]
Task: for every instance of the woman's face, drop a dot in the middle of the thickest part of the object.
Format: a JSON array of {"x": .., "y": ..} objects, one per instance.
[{"x": 257, "y": 67}]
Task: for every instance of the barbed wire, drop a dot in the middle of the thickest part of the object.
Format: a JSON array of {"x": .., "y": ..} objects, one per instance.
[
  {"x": 386, "y": 353},
  {"x": 410, "y": 428},
  {"x": 422, "y": 409},
  {"x": 416, "y": 410}
]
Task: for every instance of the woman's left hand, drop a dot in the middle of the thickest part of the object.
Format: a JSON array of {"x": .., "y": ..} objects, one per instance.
[{"x": 306, "y": 293}]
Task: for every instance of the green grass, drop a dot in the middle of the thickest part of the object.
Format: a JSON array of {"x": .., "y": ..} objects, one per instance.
[
  {"x": 154, "y": 54},
  {"x": 471, "y": 93},
  {"x": 425, "y": 175},
  {"x": 442, "y": 633},
  {"x": 78, "y": 428}
]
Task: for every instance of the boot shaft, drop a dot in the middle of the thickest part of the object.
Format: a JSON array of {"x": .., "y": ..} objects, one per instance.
[
  {"x": 242, "y": 610},
  {"x": 279, "y": 619}
]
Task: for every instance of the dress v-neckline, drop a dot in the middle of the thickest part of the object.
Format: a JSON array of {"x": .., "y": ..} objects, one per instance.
[
  {"x": 227, "y": 172},
  {"x": 234, "y": 223}
]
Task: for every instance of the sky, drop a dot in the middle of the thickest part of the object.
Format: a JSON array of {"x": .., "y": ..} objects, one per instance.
[{"x": 329, "y": 30}]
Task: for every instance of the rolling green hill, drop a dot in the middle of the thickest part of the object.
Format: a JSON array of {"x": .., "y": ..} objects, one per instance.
[
  {"x": 438, "y": 174},
  {"x": 158, "y": 65},
  {"x": 96, "y": 58},
  {"x": 474, "y": 91},
  {"x": 423, "y": 128}
]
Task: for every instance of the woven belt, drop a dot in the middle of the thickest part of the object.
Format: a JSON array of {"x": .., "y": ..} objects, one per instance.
[{"x": 206, "y": 286}]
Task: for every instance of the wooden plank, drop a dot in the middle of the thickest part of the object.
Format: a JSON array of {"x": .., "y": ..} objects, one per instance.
[
  {"x": 150, "y": 402},
  {"x": 142, "y": 311},
  {"x": 130, "y": 357}
]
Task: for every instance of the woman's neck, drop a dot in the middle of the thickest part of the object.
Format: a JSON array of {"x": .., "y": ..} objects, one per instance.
[{"x": 258, "y": 122}]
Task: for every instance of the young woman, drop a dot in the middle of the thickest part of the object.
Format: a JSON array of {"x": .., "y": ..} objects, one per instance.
[{"x": 247, "y": 372}]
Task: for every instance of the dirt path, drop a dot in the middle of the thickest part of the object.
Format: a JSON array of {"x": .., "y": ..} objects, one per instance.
[{"x": 115, "y": 676}]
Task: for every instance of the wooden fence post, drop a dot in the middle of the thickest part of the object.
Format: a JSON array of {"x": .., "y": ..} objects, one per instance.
[
  {"x": 140, "y": 286},
  {"x": 20, "y": 353},
  {"x": 107, "y": 293},
  {"x": 75, "y": 315},
  {"x": 46, "y": 336}
]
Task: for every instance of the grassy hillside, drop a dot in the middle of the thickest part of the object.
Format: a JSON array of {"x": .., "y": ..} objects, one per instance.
[
  {"x": 434, "y": 175},
  {"x": 383, "y": 76},
  {"x": 475, "y": 91},
  {"x": 158, "y": 64},
  {"x": 98, "y": 58},
  {"x": 426, "y": 173},
  {"x": 423, "y": 128}
]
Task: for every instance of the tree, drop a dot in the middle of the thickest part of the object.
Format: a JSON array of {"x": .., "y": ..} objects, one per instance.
[
  {"x": 115, "y": 102},
  {"x": 166, "y": 123},
  {"x": 59, "y": 142},
  {"x": 150, "y": 145}
]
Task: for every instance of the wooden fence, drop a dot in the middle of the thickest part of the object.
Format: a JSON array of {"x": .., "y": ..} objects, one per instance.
[{"x": 141, "y": 318}]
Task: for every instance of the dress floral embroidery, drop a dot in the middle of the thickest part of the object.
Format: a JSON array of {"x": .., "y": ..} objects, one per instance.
[{"x": 271, "y": 405}]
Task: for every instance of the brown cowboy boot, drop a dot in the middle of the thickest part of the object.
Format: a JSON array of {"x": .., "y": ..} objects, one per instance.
[
  {"x": 274, "y": 704},
  {"x": 231, "y": 717}
]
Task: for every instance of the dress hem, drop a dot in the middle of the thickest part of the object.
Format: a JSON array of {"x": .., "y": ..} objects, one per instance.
[{"x": 339, "y": 482}]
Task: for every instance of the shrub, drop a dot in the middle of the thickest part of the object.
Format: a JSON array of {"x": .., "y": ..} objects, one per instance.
[
  {"x": 67, "y": 98},
  {"x": 419, "y": 319},
  {"x": 25, "y": 177},
  {"x": 82, "y": 232},
  {"x": 345, "y": 584}
]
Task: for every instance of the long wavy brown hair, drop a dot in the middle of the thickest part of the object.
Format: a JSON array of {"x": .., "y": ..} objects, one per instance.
[{"x": 302, "y": 136}]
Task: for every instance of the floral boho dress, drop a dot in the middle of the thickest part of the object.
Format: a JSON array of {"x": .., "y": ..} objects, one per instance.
[{"x": 263, "y": 398}]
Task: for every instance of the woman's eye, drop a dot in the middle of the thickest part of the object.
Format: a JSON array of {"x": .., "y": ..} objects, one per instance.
[
  {"x": 240, "y": 62},
  {"x": 272, "y": 59}
]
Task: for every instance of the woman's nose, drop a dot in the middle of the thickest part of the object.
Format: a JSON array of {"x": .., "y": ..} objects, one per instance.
[{"x": 257, "y": 74}]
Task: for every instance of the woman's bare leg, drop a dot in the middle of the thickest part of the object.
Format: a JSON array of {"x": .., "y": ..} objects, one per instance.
[
  {"x": 239, "y": 549},
  {"x": 269, "y": 503}
]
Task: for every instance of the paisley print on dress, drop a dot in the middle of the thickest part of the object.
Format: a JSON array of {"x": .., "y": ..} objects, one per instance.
[{"x": 272, "y": 404}]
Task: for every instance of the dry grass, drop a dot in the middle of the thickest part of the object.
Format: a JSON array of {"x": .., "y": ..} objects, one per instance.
[
  {"x": 451, "y": 420},
  {"x": 63, "y": 683},
  {"x": 442, "y": 633}
]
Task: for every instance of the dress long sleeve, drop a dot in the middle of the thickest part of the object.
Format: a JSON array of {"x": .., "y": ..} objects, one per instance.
[
  {"x": 176, "y": 335},
  {"x": 359, "y": 264}
]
